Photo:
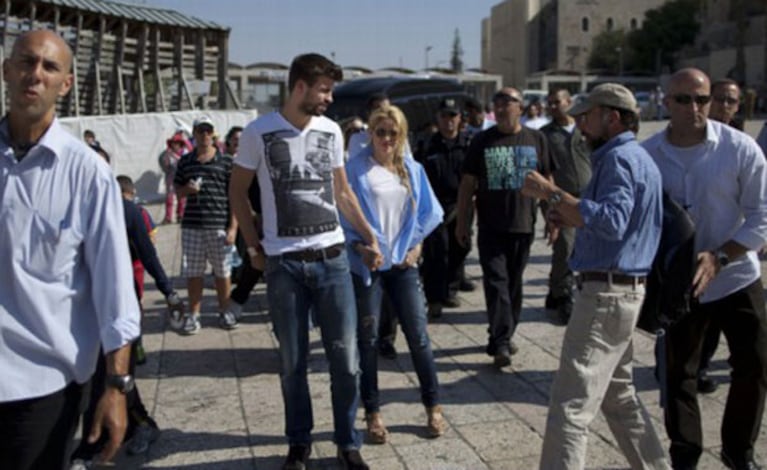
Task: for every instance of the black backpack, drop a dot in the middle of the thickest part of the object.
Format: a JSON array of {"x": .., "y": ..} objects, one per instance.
[{"x": 669, "y": 285}]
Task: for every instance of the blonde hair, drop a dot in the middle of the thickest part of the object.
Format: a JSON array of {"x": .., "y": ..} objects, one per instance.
[{"x": 395, "y": 115}]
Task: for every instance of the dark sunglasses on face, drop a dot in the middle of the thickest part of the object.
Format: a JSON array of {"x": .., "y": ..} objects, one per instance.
[
  {"x": 700, "y": 100},
  {"x": 382, "y": 133},
  {"x": 504, "y": 98},
  {"x": 726, "y": 100}
]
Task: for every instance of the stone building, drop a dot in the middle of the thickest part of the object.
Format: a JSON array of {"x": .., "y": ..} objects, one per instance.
[{"x": 523, "y": 37}]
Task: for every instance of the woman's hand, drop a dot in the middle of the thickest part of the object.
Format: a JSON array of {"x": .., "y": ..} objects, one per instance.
[{"x": 411, "y": 258}]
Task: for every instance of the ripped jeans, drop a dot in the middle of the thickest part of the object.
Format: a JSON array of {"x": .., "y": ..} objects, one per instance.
[
  {"x": 295, "y": 290},
  {"x": 407, "y": 299}
]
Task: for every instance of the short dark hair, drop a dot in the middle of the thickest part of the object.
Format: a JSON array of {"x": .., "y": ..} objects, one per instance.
[
  {"x": 232, "y": 131},
  {"x": 724, "y": 82},
  {"x": 629, "y": 119},
  {"x": 310, "y": 67},
  {"x": 126, "y": 184},
  {"x": 88, "y": 133}
]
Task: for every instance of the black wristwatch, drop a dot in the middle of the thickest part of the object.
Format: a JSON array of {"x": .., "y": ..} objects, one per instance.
[
  {"x": 722, "y": 258},
  {"x": 123, "y": 383}
]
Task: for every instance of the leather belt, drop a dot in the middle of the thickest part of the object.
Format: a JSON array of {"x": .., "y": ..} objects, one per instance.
[
  {"x": 614, "y": 278},
  {"x": 310, "y": 255}
]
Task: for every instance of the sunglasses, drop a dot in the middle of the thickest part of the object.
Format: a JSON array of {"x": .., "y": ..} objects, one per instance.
[
  {"x": 383, "y": 133},
  {"x": 700, "y": 100},
  {"x": 505, "y": 99},
  {"x": 204, "y": 129},
  {"x": 726, "y": 100}
]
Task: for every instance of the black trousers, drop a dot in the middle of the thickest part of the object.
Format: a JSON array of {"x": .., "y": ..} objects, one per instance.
[
  {"x": 443, "y": 259},
  {"x": 743, "y": 321},
  {"x": 37, "y": 434},
  {"x": 248, "y": 278},
  {"x": 503, "y": 257},
  {"x": 137, "y": 412}
]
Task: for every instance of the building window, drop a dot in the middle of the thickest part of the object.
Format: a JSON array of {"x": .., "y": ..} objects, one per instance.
[
  {"x": 585, "y": 24},
  {"x": 609, "y": 24},
  {"x": 633, "y": 24}
]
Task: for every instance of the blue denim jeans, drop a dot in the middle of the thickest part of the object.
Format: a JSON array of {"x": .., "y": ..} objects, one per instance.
[
  {"x": 294, "y": 288},
  {"x": 404, "y": 289}
]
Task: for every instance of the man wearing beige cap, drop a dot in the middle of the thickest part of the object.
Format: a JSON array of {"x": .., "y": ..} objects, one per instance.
[{"x": 618, "y": 220}]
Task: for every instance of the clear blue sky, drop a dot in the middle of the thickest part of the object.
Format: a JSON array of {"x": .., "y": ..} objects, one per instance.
[{"x": 368, "y": 33}]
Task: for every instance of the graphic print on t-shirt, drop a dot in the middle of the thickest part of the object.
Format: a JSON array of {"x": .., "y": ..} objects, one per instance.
[
  {"x": 507, "y": 165},
  {"x": 303, "y": 184}
]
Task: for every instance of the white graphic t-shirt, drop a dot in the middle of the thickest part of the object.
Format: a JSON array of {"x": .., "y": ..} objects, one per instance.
[{"x": 295, "y": 173}]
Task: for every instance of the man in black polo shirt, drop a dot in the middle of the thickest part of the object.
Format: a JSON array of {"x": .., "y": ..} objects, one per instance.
[{"x": 208, "y": 230}]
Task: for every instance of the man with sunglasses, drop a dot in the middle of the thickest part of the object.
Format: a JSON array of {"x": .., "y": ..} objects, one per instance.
[
  {"x": 208, "y": 228},
  {"x": 725, "y": 102},
  {"x": 719, "y": 175},
  {"x": 618, "y": 220},
  {"x": 495, "y": 167}
]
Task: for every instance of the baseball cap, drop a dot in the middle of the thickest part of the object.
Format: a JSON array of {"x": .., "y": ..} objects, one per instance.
[
  {"x": 612, "y": 95},
  {"x": 203, "y": 121},
  {"x": 449, "y": 105}
]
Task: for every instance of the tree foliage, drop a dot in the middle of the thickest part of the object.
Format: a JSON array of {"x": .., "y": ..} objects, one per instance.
[
  {"x": 456, "y": 56},
  {"x": 608, "y": 50},
  {"x": 665, "y": 31}
]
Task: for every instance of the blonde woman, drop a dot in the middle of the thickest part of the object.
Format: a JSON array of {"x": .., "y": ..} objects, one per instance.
[{"x": 399, "y": 204}]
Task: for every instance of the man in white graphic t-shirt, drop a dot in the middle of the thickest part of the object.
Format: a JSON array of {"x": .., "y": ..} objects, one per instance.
[{"x": 297, "y": 155}]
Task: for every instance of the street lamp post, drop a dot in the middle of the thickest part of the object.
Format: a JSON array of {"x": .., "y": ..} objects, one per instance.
[
  {"x": 426, "y": 57},
  {"x": 619, "y": 50}
]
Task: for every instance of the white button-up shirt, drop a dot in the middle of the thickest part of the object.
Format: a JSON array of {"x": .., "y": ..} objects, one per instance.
[
  {"x": 66, "y": 281},
  {"x": 725, "y": 192}
]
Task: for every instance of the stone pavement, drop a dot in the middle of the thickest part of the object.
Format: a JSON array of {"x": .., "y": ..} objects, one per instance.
[{"x": 217, "y": 398}]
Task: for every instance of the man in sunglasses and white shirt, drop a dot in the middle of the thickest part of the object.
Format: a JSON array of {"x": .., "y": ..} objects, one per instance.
[{"x": 719, "y": 175}]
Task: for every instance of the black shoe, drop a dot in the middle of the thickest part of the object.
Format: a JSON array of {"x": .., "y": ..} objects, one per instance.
[
  {"x": 387, "y": 350},
  {"x": 467, "y": 286},
  {"x": 706, "y": 385},
  {"x": 565, "y": 309},
  {"x": 739, "y": 464},
  {"x": 351, "y": 460},
  {"x": 451, "y": 302},
  {"x": 435, "y": 310},
  {"x": 551, "y": 303},
  {"x": 298, "y": 455},
  {"x": 513, "y": 348},
  {"x": 502, "y": 357}
]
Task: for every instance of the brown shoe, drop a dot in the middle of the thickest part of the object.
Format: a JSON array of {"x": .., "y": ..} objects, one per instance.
[
  {"x": 377, "y": 433},
  {"x": 436, "y": 424}
]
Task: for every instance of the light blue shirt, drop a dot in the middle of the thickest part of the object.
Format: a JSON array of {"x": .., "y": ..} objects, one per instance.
[
  {"x": 417, "y": 223},
  {"x": 66, "y": 280},
  {"x": 725, "y": 192},
  {"x": 622, "y": 208}
]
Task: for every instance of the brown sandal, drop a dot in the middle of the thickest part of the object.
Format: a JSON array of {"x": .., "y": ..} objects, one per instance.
[
  {"x": 377, "y": 433},
  {"x": 436, "y": 424}
]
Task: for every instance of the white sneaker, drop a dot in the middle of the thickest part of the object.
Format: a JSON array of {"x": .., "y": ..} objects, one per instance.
[
  {"x": 235, "y": 308},
  {"x": 175, "y": 320},
  {"x": 227, "y": 320},
  {"x": 80, "y": 464},
  {"x": 191, "y": 324}
]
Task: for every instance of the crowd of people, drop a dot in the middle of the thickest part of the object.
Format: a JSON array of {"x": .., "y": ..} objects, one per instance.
[{"x": 354, "y": 233}]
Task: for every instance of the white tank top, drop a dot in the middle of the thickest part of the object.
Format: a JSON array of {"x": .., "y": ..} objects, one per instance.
[{"x": 389, "y": 198}]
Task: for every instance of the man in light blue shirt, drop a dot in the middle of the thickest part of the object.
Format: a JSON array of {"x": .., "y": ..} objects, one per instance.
[
  {"x": 719, "y": 176},
  {"x": 66, "y": 284},
  {"x": 618, "y": 218}
]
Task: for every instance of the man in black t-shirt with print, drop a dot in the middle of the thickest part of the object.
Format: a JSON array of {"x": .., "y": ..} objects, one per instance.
[
  {"x": 496, "y": 164},
  {"x": 208, "y": 230}
]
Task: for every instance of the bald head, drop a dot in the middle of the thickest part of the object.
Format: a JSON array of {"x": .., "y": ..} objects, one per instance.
[
  {"x": 48, "y": 38},
  {"x": 688, "y": 77}
]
